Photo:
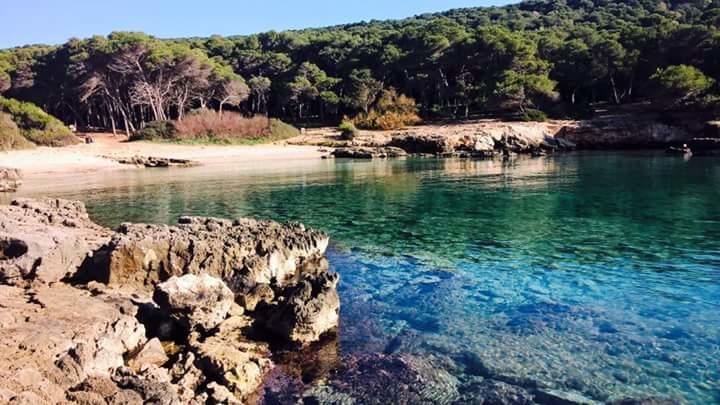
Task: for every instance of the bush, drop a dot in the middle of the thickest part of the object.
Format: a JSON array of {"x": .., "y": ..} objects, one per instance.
[
  {"x": 393, "y": 111},
  {"x": 36, "y": 125},
  {"x": 347, "y": 129},
  {"x": 155, "y": 131},
  {"x": 212, "y": 127},
  {"x": 531, "y": 115},
  {"x": 10, "y": 137}
]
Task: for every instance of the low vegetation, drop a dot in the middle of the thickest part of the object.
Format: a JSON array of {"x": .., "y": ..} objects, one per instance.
[
  {"x": 35, "y": 125},
  {"x": 208, "y": 126},
  {"x": 391, "y": 111},
  {"x": 347, "y": 129},
  {"x": 10, "y": 137}
]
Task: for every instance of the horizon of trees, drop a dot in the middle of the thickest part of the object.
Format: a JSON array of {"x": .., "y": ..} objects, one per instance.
[{"x": 559, "y": 56}]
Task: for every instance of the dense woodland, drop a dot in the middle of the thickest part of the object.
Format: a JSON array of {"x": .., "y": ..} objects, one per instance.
[{"x": 558, "y": 56}]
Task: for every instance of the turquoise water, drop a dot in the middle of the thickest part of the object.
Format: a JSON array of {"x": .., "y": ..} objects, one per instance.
[{"x": 597, "y": 274}]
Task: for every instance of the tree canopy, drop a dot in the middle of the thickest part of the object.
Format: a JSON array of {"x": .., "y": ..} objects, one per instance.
[{"x": 555, "y": 55}]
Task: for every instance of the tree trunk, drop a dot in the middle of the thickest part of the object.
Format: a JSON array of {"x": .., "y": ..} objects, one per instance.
[{"x": 614, "y": 89}]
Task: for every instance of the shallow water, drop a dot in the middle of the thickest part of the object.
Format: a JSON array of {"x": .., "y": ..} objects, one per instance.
[{"x": 590, "y": 273}]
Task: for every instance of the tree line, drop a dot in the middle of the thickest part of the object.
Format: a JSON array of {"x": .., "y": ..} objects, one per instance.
[{"x": 558, "y": 56}]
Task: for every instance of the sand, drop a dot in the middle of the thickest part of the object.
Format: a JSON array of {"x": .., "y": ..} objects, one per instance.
[{"x": 85, "y": 158}]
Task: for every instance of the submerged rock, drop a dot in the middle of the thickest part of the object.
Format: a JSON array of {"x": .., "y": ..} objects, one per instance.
[{"x": 195, "y": 301}]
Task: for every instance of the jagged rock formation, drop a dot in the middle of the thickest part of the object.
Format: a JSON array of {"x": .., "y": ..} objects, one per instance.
[
  {"x": 10, "y": 179},
  {"x": 360, "y": 152},
  {"x": 79, "y": 322},
  {"x": 42, "y": 241},
  {"x": 485, "y": 140},
  {"x": 616, "y": 133}
]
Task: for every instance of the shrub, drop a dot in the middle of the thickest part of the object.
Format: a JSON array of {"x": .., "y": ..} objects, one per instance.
[
  {"x": 347, "y": 129},
  {"x": 392, "y": 111},
  {"x": 10, "y": 137},
  {"x": 212, "y": 127},
  {"x": 36, "y": 125},
  {"x": 155, "y": 131},
  {"x": 280, "y": 130},
  {"x": 531, "y": 114}
]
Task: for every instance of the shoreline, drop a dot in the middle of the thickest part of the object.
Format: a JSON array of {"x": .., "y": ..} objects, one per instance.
[{"x": 97, "y": 156}]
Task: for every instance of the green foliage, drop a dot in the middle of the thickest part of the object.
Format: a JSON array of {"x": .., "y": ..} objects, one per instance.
[
  {"x": 280, "y": 130},
  {"x": 347, "y": 129},
  {"x": 681, "y": 82},
  {"x": 532, "y": 114},
  {"x": 547, "y": 54},
  {"x": 155, "y": 131},
  {"x": 10, "y": 137},
  {"x": 36, "y": 125}
]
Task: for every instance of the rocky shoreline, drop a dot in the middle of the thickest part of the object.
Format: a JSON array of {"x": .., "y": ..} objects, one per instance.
[
  {"x": 153, "y": 313},
  {"x": 206, "y": 311}
]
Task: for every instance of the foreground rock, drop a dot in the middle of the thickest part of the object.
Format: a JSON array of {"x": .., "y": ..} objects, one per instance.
[
  {"x": 43, "y": 241},
  {"x": 156, "y": 314},
  {"x": 196, "y": 302},
  {"x": 10, "y": 179},
  {"x": 242, "y": 253},
  {"x": 360, "y": 152},
  {"x": 54, "y": 338}
]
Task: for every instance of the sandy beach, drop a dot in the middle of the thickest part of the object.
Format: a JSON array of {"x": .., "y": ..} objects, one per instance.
[{"x": 83, "y": 158}]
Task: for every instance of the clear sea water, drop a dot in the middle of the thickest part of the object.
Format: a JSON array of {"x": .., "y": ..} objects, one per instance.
[{"x": 592, "y": 273}]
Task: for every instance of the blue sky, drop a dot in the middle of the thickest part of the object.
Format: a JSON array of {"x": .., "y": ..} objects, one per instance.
[{"x": 54, "y": 21}]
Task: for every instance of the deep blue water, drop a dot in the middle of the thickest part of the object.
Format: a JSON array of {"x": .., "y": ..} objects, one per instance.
[{"x": 595, "y": 273}]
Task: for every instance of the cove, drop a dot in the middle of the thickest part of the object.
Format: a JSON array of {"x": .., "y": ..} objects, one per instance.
[{"x": 596, "y": 274}]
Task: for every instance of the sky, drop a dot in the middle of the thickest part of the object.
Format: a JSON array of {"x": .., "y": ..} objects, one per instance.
[{"x": 55, "y": 21}]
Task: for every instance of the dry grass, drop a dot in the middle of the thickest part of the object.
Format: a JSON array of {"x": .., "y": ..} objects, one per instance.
[{"x": 228, "y": 127}]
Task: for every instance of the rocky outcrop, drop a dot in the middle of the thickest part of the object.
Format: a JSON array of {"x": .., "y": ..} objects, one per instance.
[
  {"x": 196, "y": 302},
  {"x": 10, "y": 179},
  {"x": 360, "y": 152},
  {"x": 705, "y": 146},
  {"x": 54, "y": 338},
  {"x": 108, "y": 339},
  {"x": 623, "y": 132},
  {"x": 304, "y": 312},
  {"x": 243, "y": 253},
  {"x": 484, "y": 140},
  {"x": 43, "y": 241},
  {"x": 152, "y": 161}
]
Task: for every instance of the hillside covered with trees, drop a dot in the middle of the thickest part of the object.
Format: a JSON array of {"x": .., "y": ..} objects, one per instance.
[{"x": 557, "y": 56}]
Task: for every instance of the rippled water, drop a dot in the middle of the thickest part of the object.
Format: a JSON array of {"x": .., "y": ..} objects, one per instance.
[{"x": 590, "y": 273}]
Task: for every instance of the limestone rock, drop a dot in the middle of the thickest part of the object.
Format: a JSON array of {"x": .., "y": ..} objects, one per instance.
[
  {"x": 243, "y": 253},
  {"x": 152, "y": 353},
  {"x": 261, "y": 293},
  {"x": 233, "y": 360},
  {"x": 359, "y": 152},
  {"x": 10, "y": 179},
  {"x": 43, "y": 241},
  {"x": 195, "y": 301},
  {"x": 306, "y": 311},
  {"x": 58, "y": 336}
]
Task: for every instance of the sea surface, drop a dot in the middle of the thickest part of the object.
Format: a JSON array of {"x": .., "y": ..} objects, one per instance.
[{"x": 596, "y": 274}]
